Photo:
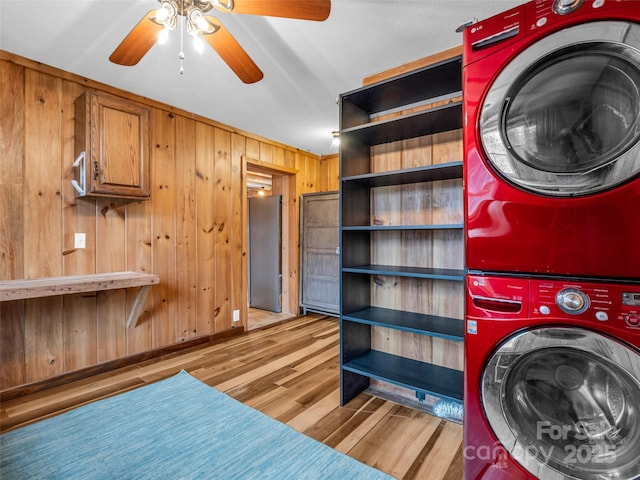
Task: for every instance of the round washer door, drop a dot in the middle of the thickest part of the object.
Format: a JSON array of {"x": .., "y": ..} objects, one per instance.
[
  {"x": 565, "y": 404},
  {"x": 563, "y": 117}
]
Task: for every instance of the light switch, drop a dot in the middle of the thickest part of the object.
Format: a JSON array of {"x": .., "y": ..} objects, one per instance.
[{"x": 80, "y": 240}]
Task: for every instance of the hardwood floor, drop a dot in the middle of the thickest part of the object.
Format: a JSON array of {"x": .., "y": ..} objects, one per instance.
[
  {"x": 289, "y": 371},
  {"x": 261, "y": 318}
]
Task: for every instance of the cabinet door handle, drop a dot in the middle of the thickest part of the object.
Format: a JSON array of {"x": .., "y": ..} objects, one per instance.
[
  {"x": 80, "y": 163},
  {"x": 96, "y": 170}
]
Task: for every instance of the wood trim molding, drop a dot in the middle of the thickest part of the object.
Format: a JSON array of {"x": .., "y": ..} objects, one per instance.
[
  {"x": 408, "y": 67},
  {"x": 256, "y": 165},
  {"x": 149, "y": 356},
  {"x": 330, "y": 156},
  {"x": 89, "y": 83}
]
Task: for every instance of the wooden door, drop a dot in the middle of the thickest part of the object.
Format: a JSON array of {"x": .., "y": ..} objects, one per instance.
[{"x": 320, "y": 262}]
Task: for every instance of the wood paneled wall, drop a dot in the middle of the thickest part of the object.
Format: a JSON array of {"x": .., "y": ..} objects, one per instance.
[
  {"x": 439, "y": 202},
  {"x": 330, "y": 173},
  {"x": 191, "y": 232}
]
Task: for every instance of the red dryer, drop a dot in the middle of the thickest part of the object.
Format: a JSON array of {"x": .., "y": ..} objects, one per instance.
[{"x": 552, "y": 140}]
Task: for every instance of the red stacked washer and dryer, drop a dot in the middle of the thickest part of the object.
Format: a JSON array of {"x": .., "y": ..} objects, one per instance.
[{"x": 552, "y": 220}]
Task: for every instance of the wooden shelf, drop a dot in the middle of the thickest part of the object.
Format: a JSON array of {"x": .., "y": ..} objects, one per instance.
[
  {"x": 66, "y": 285},
  {"x": 427, "y": 122},
  {"x": 424, "y": 378},
  {"x": 432, "y": 325},
  {"x": 431, "y": 173},
  {"x": 383, "y": 228},
  {"x": 429, "y": 82},
  {"x": 415, "y": 272}
]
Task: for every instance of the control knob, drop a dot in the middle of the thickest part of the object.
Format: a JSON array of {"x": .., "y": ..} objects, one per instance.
[
  {"x": 562, "y": 7},
  {"x": 633, "y": 321},
  {"x": 572, "y": 301}
]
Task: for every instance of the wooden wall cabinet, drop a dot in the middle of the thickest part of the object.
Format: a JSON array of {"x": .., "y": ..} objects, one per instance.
[
  {"x": 402, "y": 242},
  {"x": 111, "y": 147}
]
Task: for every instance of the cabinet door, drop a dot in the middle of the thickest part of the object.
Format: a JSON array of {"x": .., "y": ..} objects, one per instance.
[{"x": 116, "y": 139}]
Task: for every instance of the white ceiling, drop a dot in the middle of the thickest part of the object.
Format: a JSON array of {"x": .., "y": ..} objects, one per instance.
[{"x": 306, "y": 64}]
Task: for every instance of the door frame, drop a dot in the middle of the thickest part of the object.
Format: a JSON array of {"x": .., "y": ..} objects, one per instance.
[{"x": 283, "y": 183}]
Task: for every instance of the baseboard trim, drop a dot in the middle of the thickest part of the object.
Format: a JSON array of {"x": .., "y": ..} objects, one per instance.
[{"x": 151, "y": 355}]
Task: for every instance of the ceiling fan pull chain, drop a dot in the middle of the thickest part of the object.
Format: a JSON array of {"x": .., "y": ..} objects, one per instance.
[{"x": 181, "y": 54}]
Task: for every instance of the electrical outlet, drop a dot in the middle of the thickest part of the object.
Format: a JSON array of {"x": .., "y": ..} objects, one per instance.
[
  {"x": 236, "y": 315},
  {"x": 80, "y": 240}
]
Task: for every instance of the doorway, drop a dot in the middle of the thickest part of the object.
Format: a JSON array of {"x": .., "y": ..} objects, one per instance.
[
  {"x": 264, "y": 182},
  {"x": 265, "y": 252}
]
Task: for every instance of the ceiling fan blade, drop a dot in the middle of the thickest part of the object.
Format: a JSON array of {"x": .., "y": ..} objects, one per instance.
[
  {"x": 138, "y": 42},
  {"x": 232, "y": 53},
  {"x": 317, "y": 10}
]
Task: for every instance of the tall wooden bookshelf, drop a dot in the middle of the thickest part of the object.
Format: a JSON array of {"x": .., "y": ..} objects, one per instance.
[{"x": 402, "y": 242}]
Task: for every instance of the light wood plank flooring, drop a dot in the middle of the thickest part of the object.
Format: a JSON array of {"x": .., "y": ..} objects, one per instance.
[
  {"x": 261, "y": 318},
  {"x": 289, "y": 371}
]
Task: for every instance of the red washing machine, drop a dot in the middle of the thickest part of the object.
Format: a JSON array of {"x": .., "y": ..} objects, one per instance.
[
  {"x": 552, "y": 140},
  {"x": 552, "y": 380}
]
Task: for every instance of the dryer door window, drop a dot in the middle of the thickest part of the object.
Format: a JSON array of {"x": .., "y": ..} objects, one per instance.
[
  {"x": 563, "y": 402},
  {"x": 563, "y": 118}
]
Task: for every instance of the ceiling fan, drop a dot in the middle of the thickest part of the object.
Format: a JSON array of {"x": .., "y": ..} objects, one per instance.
[{"x": 155, "y": 25}]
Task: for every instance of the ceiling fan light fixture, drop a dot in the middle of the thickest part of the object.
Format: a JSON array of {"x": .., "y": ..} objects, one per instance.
[
  {"x": 161, "y": 15},
  {"x": 211, "y": 26},
  {"x": 335, "y": 140},
  {"x": 202, "y": 23},
  {"x": 167, "y": 14},
  {"x": 221, "y": 4},
  {"x": 196, "y": 21}
]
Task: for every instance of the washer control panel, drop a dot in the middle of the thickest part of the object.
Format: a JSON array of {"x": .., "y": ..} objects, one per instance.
[
  {"x": 572, "y": 301},
  {"x": 601, "y": 302}
]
